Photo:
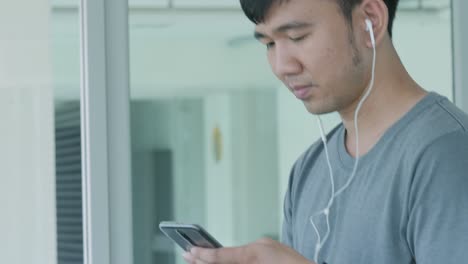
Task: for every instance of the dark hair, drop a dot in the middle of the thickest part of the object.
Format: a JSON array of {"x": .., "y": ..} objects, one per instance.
[{"x": 256, "y": 10}]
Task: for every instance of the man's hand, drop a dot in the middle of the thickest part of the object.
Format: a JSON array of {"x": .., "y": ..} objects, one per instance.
[{"x": 263, "y": 251}]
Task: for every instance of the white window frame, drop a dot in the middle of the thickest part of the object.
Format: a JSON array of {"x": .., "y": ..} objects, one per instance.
[
  {"x": 460, "y": 53},
  {"x": 107, "y": 211}
]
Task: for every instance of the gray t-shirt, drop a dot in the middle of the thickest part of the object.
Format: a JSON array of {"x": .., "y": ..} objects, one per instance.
[{"x": 408, "y": 202}]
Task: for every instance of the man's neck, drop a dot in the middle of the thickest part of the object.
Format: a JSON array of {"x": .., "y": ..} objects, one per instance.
[{"x": 393, "y": 95}]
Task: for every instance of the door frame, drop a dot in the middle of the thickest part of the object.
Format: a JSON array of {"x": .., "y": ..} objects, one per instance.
[{"x": 107, "y": 210}]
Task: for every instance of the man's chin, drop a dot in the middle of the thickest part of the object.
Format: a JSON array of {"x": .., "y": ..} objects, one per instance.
[{"x": 317, "y": 109}]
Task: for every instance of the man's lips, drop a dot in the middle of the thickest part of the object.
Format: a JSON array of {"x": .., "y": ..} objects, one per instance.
[{"x": 302, "y": 92}]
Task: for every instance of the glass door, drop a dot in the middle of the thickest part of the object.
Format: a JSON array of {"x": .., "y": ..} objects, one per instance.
[{"x": 213, "y": 134}]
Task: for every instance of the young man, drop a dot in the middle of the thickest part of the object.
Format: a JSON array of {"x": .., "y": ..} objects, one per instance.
[{"x": 406, "y": 200}]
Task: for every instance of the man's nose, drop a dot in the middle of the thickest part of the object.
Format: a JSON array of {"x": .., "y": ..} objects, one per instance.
[{"x": 285, "y": 62}]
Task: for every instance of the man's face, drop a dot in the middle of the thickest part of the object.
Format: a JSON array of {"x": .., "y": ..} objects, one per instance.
[{"x": 312, "y": 50}]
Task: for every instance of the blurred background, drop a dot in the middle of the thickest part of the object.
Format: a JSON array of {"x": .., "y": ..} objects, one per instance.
[{"x": 213, "y": 133}]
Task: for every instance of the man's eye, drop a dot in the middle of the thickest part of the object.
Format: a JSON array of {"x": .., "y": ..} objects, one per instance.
[
  {"x": 298, "y": 39},
  {"x": 269, "y": 45}
]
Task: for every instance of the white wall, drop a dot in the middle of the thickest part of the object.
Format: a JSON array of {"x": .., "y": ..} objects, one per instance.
[
  {"x": 255, "y": 156},
  {"x": 241, "y": 201},
  {"x": 219, "y": 176},
  {"x": 27, "y": 189},
  {"x": 424, "y": 42}
]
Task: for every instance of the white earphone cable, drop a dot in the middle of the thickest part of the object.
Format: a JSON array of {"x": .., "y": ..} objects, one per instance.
[{"x": 326, "y": 211}]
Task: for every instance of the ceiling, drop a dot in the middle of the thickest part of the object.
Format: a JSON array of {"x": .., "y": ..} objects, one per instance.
[{"x": 173, "y": 53}]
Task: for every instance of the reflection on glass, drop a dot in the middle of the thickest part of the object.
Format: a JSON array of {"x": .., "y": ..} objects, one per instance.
[
  {"x": 204, "y": 129},
  {"x": 66, "y": 74}
]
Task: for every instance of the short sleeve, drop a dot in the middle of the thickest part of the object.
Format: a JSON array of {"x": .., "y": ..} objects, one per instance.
[{"x": 437, "y": 230}]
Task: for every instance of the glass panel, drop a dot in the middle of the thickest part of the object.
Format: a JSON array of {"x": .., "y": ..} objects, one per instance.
[
  {"x": 423, "y": 39},
  {"x": 66, "y": 82},
  {"x": 214, "y": 134},
  {"x": 40, "y": 74},
  {"x": 207, "y": 130},
  {"x": 203, "y": 139}
]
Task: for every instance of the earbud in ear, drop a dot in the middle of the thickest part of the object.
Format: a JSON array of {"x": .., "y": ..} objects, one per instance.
[
  {"x": 370, "y": 28},
  {"x": 368, "y": 24}
]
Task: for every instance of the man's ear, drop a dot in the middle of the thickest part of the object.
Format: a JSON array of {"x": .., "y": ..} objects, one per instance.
[{"x": 377, "y": 12}]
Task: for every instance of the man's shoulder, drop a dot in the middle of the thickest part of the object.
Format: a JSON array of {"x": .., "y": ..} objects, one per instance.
[
  {"x": 451, "y": 146},
  {"x": 439, "y": 120},
  {"x": 443, "y": 144},
  {"x": 446, "y": 113}
]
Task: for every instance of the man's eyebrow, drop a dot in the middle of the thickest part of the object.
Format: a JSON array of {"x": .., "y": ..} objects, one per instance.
[
  {"x": 291, "y": 26},
  {"x": 283, "y": 28},
  {"x": 259, "y": 35}
]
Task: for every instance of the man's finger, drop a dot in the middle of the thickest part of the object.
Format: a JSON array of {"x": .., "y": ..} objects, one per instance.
[
  {"x": 232, "y": 255},
  {"x": 265, "y": 241},
  {"x": 188, "y": 258}
]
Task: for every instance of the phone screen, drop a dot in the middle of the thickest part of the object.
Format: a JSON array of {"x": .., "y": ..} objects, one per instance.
[{"x": 188, "y": 235}]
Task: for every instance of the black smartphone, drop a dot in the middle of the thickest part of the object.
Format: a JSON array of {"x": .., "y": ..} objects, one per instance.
[{"x": 188, "y": 235}]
